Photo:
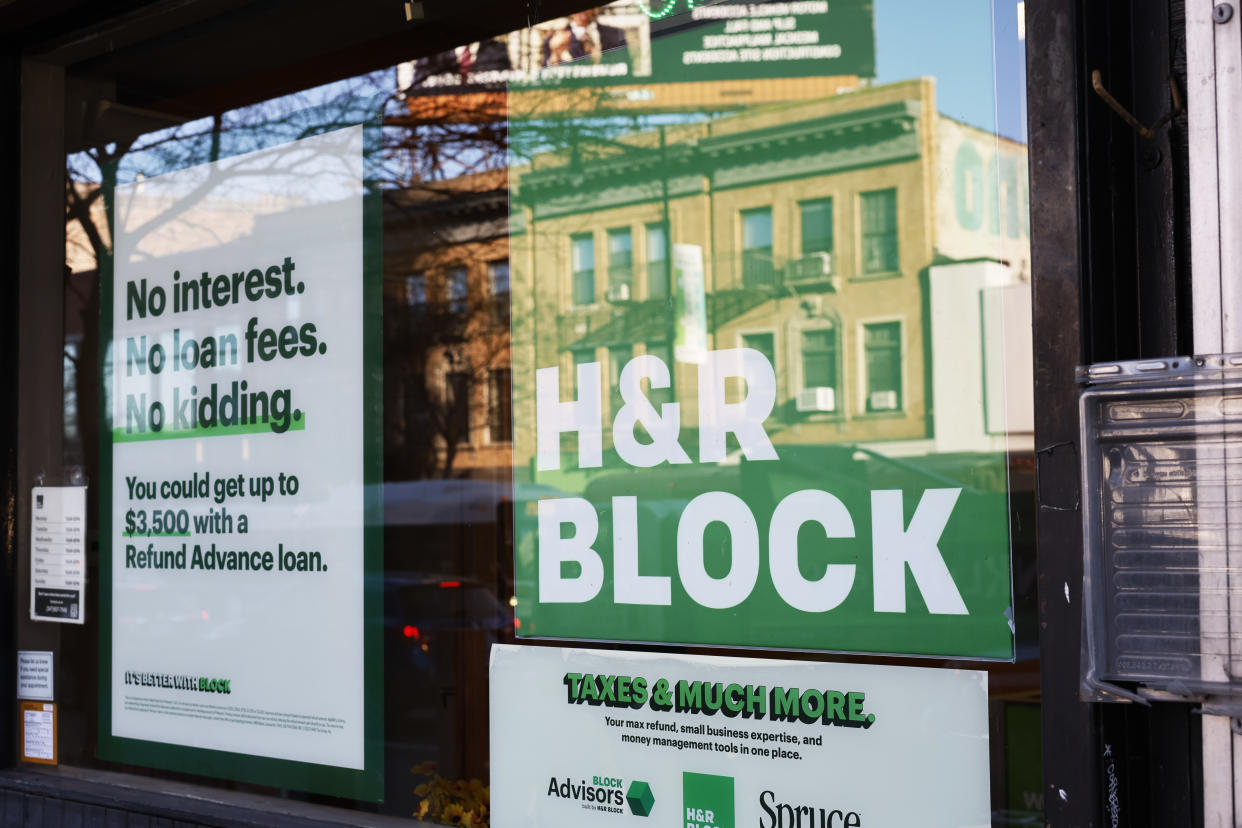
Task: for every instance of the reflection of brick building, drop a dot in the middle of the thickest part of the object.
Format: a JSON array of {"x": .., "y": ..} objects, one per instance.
[
  {"x": 447, "y": 415},
  {"x": 829, "y": 229},
  {"x": 446, "y": 306}
]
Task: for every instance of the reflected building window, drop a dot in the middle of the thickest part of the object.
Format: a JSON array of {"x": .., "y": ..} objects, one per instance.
[
  {"x": 458, "y": 290},
  {"x": 618, "y": 356},
  {"x": 657, "y": 262},
  {"x": 620, "y": 264},
  {"x": 582, "y": 255},
  {"x": 498, "y": 279},
  {"x": 816, "y": 226},
  {"x": 457, "y": 404},
  {"x": 500, "y": 406},
  {"x": 569, "y": 379},
  {"x": 764, "y": 343},
  {"x": 820, "y": 370},
  {"x": 879, "y": 231},
  {"x": 757, "y": 270},
  {"x": 416, "y": 290},
  {"x": 70, "y": 378},
  {"x": 660, "y": 396},
  {"x": 882, "y": 347}
]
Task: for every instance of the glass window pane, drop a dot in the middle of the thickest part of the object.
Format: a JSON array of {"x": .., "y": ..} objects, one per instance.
[
  {"x": 500, "y": 406},
  {"x": 461, "y": 185},
  {"x": 879, "y": 231},
  {"x": 498, "y": 277},
  {"x": 457, "y": 399},
  {"x": 457, "y": 290},
  {"x": 618, "y": 357},
  {"x": 883, "y": 359},
  {"x": 819, "y": 359},
  {"x": 620, "y": 264},
  {"x": 498, "y": 274},
  {"x": 816, "y": 226},
  {"x": 764, "y": 343},
  {"x": 657, "y": 262},
  {"x": 758, "y": 269},
  {"x": 416, "y": 289},
  {"x": 583, "y": 263}
]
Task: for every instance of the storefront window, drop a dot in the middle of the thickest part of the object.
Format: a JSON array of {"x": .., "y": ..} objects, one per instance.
[{"x": 313, "y": 335}]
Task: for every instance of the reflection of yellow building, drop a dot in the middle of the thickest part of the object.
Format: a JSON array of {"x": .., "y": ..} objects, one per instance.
[{"x": 829, "y": 230}]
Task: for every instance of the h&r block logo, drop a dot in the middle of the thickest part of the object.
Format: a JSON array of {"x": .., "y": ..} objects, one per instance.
[{"x": 707, "y": 799}]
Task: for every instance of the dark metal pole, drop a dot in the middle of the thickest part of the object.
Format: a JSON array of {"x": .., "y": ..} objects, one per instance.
[
  {"x": 10, "y": 164},
  {"x": 1055, "y": 78}
]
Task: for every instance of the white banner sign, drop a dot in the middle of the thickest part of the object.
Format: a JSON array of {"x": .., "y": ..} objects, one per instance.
[
  {"x": 236, "y": 401},
  {"x": 594, "y": 738}
]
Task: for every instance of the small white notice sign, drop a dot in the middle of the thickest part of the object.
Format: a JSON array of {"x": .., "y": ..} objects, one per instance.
[
  {"x": 34, "y": 674},
  {"x": 58, "y": 554}
]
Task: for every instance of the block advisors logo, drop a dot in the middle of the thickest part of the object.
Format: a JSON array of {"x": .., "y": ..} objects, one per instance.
[
  {"x": 604, "y": 793},
  {"x": 707, "y": 800}
]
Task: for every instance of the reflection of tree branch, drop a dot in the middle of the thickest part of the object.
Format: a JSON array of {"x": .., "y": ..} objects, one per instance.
[
  {"x": 215, "y": 178},
  {"x": 78, "y": 208}
]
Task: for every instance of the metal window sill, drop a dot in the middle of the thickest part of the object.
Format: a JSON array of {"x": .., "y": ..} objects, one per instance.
[{"x": 184, "y": 802}]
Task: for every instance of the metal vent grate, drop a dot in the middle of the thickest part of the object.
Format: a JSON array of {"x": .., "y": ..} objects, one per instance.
[{"x": 1162, "y": 524}]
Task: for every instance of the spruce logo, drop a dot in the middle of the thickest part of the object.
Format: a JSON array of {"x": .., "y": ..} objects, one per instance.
[{"x": 708, "y": 800}]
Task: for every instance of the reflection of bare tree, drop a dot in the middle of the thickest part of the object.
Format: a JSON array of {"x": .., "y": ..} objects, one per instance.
[
  {"x": 443, "y": 170},
  {"x": 446, "y": 324},
  {"x": 418, "y": 155}
]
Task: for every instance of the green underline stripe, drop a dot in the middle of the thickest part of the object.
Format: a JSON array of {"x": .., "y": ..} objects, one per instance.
[{"x": 119, "y": 435}]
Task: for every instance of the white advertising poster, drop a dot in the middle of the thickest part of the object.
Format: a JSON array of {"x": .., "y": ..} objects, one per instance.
[
  {"x": 594, "y": 738},
  {"x": 238, "y": 406},
  {"x": 58, "y": 554}
]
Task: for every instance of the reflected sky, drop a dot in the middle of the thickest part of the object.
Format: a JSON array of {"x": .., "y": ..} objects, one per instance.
[{"x": 952, "y": 42}]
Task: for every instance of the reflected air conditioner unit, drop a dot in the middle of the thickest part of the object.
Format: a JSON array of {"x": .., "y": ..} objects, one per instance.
[
  {"x": 815, "y": 267},
  {"x": 618, "y": 293},
  {"x": 816, "y": 399},
  {"x": 883, "y": 401}
]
